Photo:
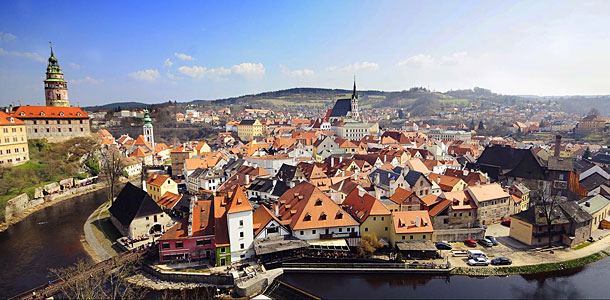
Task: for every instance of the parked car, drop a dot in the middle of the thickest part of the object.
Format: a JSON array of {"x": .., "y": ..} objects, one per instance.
[
  {"x": 492, "y": 239},
  {"x": 485, "y": 243},
  {"x": 476, "y": 253},
  {"x": 506, "y": 222},
  {"x": 470, "y": 243},
  {"x": 443, "y": 246},
  {"x": 478, "y": 261},
  {"x": 501, "y": 261}
]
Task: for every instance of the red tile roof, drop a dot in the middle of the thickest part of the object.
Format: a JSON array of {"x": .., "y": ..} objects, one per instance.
[
  {"x": 157, "y": 180},
  {"x": 169, "y": 200},
  {"x": 49, "y": 112},
  {"x": 239, "y": 202},
  {"x": 360, "y": 205},
  {"x": 6, "y": 119},
  {"x": 407, "y": 222}
]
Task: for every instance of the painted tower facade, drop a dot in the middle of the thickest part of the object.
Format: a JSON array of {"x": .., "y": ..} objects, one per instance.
[
  {"x": 55, "y": 87},
  {"x": 149, "y": 136}
]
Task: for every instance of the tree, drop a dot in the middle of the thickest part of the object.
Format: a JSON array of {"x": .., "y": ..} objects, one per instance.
[
  {"x": 369, "y": 245},
  {"x": 593, "y": 112},
  {"x": 481, "y": 125},
  {"x": 88, "y": 283},
  {"x": 111, "y": 170},
  {"x": 546, "y": 206}
]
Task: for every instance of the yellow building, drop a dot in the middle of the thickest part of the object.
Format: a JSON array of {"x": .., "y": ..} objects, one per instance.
[
  {"x": 598, "y": 207},
  {"x": 178, "y": 155},
  {"x": 247, "y": 130},
  {"x": 410, "y": 225},
  {"x": 372, "y": 215},
  {"x": 158, "y": 185},
  {"x": 13, "y": 141}
]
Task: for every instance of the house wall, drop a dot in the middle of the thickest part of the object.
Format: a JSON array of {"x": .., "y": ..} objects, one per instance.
[
  {"x": 189, "y": 248},
  {"x": 265, "y": 233},
  {"x": 141, "y": 226},
  {"x": 314, "y": 234},
  {"x": 493, "y": 211},
  {"x": 13, "y": 145},
  {"x": 521, "y": 231},
  {"x": 377, "y": 224},
  {"x": 397, "y": 237},
  {"x": 156, "y": 192},
  {"x": 55, "y": 130},
  {"x": 241, "y": 247},
  {"x": 223, "y": 256}
]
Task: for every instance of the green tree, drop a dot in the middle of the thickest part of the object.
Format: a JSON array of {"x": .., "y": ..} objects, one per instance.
[
  {"x": 587, "y": 153},
  {"x": 369, "y": 244}
]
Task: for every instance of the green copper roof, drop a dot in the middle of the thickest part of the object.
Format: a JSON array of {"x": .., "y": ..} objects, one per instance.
[{"x": 147, "y": 119}]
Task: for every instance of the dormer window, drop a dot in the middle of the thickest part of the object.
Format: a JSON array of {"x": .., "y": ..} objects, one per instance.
[
  {"x": 339, "y": 215},
  {"x": 22, "y": 113},
  {"x": 323, "y": 216},
  {"x": 78, "y": 114},
  {"x": 61, "y": 113},
  {"x": 42, "y": 113},
  {"x": 319, "y": 202},
  {"x": 12, "y": 120},
  {"x": 307, "y": 217}
]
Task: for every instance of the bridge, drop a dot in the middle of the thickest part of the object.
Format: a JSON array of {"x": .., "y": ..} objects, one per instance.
[{"x": 44, "y": 291}]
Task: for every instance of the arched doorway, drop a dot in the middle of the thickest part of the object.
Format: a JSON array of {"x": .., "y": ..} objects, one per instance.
[{"x": 155, "y": 229}]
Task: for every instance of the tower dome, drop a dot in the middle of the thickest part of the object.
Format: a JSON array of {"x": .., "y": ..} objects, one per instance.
[{"x": 55, "y": 87}]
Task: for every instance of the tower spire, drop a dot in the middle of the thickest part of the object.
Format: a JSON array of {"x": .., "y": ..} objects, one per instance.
[
  {"x": 51, "y": 45},
  {"x": 354, "y": 92}
]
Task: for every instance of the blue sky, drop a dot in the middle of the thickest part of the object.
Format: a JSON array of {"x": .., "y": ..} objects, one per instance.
[{"x": 153, "y": 51}]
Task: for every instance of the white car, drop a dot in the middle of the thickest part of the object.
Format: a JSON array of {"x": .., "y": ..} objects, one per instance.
[{"x": 478, "y": 261}]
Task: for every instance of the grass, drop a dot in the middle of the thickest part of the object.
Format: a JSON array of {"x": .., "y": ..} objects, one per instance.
[
  {"x": 454, "y": 101},
  {"x": 531, "y": 269},
  {"x": 29, "y": 165},
  {"x": 582, "y": 245}
]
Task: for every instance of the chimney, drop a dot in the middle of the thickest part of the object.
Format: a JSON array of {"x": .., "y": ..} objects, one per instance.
[
  {"x": 377, "y": 178},
  {"x": 417, "y": 221},
  {"x": 332, "y": 162},
  {"x": 557, "y": 144},
  {"x": 277, "y": 209},
  {"x": 587, "y": 204},
  {"x": 438, "y": 180}
]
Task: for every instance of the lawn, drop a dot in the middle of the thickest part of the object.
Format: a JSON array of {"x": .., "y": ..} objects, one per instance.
[
  {"x": 454, "y": 101},
  {"x": 29, "y": 165}
]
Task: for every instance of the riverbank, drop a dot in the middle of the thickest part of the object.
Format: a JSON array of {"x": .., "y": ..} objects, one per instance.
[
  {"x": 14, "y": 220},
  {"x": 100, "y": 235}
]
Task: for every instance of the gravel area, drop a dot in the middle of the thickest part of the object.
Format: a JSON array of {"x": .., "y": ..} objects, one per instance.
[{"x": 95, "y": 245}]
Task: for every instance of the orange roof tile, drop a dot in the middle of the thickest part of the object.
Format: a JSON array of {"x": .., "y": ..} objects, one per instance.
[
  {"x": 157, "y": 180},
  {"x": 6, "y": 119},
  {"x": 169, "y": 200},
  {"x": 49, "y": 112},
  {"x": 221, "y": 234},
  {"x": 261, "y": 217},
  {"x": 307, "y": 207},
  {"x": 406, "y": 222},
  {"x": 360, "y": 205},
  {"x": 239, "y": 202}
]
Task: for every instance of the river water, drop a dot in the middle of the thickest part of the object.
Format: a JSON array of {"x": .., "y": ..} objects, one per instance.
[{"x": 50, "y": 238}]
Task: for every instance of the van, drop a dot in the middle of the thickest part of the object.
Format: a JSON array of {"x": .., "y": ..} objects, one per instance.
[{"x": 476, "y": 253}]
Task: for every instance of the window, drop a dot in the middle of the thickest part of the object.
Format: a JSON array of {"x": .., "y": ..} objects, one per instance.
[
  {"x": 241, "y": 246},
  {"x": 223, "y": 250},
  {"x": 340, "y": 229},
  {"x": 403, "y": 237},
  {"x": 424, "y": 236},
  {"x": 410, "y": 237},
  {"x": 179, "y": 244},
  {"x": 382, "y": 218},
  {"x": 374, "y": 218},
  {"x": 165, "y": 246},
  {"x": 366, "y": 229},
  {"x": 313, "y": 231},
  {"x": 241, "y": 223},
  {"x": 302, "y": 233},
  {"x": 386, "y": 229},
  {"x": 241, "y": 234}
]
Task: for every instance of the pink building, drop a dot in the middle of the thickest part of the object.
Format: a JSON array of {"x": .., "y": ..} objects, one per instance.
[{"x": 183, "y": 242}]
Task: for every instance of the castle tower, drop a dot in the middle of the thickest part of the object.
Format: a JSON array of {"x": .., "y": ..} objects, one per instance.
[
  {"x": 55, "y": 87},
  {"x": 149, "y": 137},
  {"x": 354, "y": 102}
]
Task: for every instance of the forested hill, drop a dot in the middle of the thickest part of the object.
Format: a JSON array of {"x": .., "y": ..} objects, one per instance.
[{"x": 419, "y": 101}]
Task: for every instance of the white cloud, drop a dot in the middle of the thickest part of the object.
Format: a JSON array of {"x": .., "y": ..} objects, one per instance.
[
  {"x": 358, "y": 66},
  {"x": 168, "y": 63},
  {"x": 296, "y": 73},
  {"x": 28, "y": 55},
  {"x": 417, "y": 61},
  {"x": 194, "y": 71},
  {"x": 249, "y": 70},
  {"x": 88, "y": 80},
  {"x": 219, "y": 72},
  {"x": 183, "y": 56},
  {"x": 454, "y": 58},
  {"x": 149, "y": 75},
  {"x": 74, "y": 66},
  {"x": 170, "y": 75},
  {"x": 7, "y": 37}
]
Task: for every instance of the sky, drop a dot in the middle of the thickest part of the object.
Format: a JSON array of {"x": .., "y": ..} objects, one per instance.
[{"x": 154, "y": 51}]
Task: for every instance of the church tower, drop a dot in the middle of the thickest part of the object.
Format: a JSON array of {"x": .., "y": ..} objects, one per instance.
[
  {"x": 55, "y": 87},
  {"x": 149, "y": 137},
  {"x": 354, "y": 103}
]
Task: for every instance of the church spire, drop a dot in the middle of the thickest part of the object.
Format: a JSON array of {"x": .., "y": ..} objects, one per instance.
[{"x": 354, "y": 94}]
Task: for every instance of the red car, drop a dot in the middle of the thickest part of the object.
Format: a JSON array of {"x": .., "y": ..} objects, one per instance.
[
  {"x": 470, "y": 243},
  {"x": 506, "y": 222}
]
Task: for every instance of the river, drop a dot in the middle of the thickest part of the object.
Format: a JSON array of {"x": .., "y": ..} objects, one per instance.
[{"x": 50, "y": 238}]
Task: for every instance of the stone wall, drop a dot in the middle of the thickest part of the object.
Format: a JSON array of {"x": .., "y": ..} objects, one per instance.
[
  {"x": 16, "y": 206},
  {"x": 458, "y": 235},
  {"x": 212, "y": 279},
  {"x": 257, "y": 284}
]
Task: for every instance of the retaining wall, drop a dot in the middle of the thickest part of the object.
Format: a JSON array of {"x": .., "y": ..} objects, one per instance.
[
  {"x": 212, "y": 279},
  {"x": 458, "y": 235}
]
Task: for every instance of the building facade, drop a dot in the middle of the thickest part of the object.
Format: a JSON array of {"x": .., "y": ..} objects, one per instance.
[
  {"x": 13, "y": 141},
  {"x": 247, "y": 130},
  {"x": 55, "y": 87},
  {"x": 56, "y": 124}
]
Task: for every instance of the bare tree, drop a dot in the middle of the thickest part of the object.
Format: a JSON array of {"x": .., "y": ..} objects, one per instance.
[
  {"x": 111, "y": 163},
  {"x": 593, "y": 112},
  {"x": 84, "y": 281},
  {"x": 546, "y": 203}
]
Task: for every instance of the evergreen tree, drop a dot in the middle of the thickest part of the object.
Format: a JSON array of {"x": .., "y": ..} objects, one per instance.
[
  {"x": 587, "y": 153},
  {"x": 481, "y": 125}
]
